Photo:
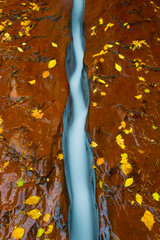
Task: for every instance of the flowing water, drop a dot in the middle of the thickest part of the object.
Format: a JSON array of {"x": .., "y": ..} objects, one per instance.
[{"x": 83, "y": 213}]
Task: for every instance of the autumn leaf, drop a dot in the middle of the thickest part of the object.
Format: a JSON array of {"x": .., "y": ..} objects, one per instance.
[
  {"x": 5, "y": 164},
  {"x": 49, "y": 229},
  {"x": 20, "y": 182},
  {"x": 40, "y": 232},
  {"x": 101, "y": 184},
  {"x": 139, "y": 199},
  {"x": 1, "y": 120},
  {"x": 126, "y": 168},
  {"x": 148, "y": 219},
  {"x": 138, "y": 96},
  {"x": 156, "y": 196},
  {"x": 54, "y": 45},
  {"x": 128, "y": 182},
  {"x": 34, "y": 214},
  {"x": 37, "y": 113},
  {"x": 109, "y": 25},
  {"x": 120, "y": 141},
  {"x": 47, "y": 217},
  {"x": 1, "y": 28},
  {"x": 94, "y": 104},
  {"x": 45, "y": 74},
  {"x": 18, "y": 233},
  {"x": 52, "y": 63},
  {"x": 154, "y": 127},
  {"x": 60, "y": 156},
  {"x": 101, "y": 21},
  {"x": 118, "y": 67},
  {"x": 147, "y": 91},
  {"x": 32, "y": 82},
  {"x": 25, "y": 23},
  {"x": 32, "y": 200},
  {"x": 103, "y": 93},
  {"x": 124, "y": 158},
  {"x": 93, "y": 144},
  {"x": 20, "y": 49},
  {"x": 121, "y": 56},
  {"x": 100, "y": 161},
  {"x": 142, "y": 79}
]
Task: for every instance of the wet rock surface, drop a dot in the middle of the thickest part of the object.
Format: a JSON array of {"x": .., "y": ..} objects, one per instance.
[
  {"x": 33, "y": 95},
  {"x": 122, "y": 55}
]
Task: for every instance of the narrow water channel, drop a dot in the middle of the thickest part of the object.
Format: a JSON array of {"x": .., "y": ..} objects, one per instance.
[{"x": 78, "y": 157}]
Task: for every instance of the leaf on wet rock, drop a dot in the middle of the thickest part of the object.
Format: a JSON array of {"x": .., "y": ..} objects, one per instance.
[
  {"x": 128, "y": 182},
  {"x": 139, "y": 199},
  {"x": 20, "y": 49},
  {"x": 47, "y": 217},
  {"x": 18, "y": 233},
  {"x": 32, "y": 200},
  {"x": 34, "y": 214},
  {"x": 45, "y": 74},
  {"x": 120, "y": 141},
  {"x": 52, "y": 63},
  {"x": 20, "y": 182},
  {"x": 142, "y": 79},
  {"x": 148, "y": 219},
  {"x": 54, "y": 45},
  {"x": 147, "y": 90},
  {"x": 40, "y": 232},
  {"x": 138, "y": 96},
  {"x": 32, "y": 82},
  {"x": 49, "y": 229},
  {"x": 60, "y": 156},
  {"x": 156, "y": 196},
  {"x": 93, "y": 144},
  {"x": 100, "y": 161},
  {"x": 118, "y": 67},
  {"x": 37, "y": 113},
  {"x": 121, "y": 56},
  {"x": 126, "y": 168},
  {"x": 101, "y": 21}
]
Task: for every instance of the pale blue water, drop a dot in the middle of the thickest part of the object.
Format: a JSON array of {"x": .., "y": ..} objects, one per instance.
[{"x": 83, "y": 214}]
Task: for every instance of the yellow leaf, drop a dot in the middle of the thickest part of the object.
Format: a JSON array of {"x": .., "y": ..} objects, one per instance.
[
  {"x": 120, "y": 141},
  {"x": 101, "y": 81},
  {"x": 37, "y": 113},
  {"x": 105, "y": 47},
  {"x": 54, "y": 45},
  {"x": 156, "y": 196},
  {"x": 109, "y": 25},
  {"x": 18, "y": 233},
  {"x": 60, "y": 156},
  {"x": 118, "y": 67},
  {"x": 45, "y": 74},
  {"x": 101, "y": 21},
  {"x": 100, "y": 161},
  {"x": 32, "y": 200},
  {"x": 124, "y": 158},
  {"x": 20, "y": 49},
  {"x": 93, "y": 144},
  {"x": 47, "y": 217},
  {"x": 94, "y": 104},
  {"x": 5, "y": 164},
  {"x": 121, "y": 56},
  {"x": 103, "y": 93},
  {"x": 25, "y": 23},
  {"x": 34, "y": 214},
  {"x": 123, "y": 124},
  {"x": 148, "y": 219},
  {"x": 126, "y": 168},
  {"x": 1, "y": 27},
  {"x": 101, "y": 184},
  {"x": 40, "y": 232},
  {"x": 139, "y": 199},
  {"x": 49, "y": 229},
  {"x": 1, "y": 120},
  {"x": 110, "y": 46},
  {"x": 138, "y": 96},
  {"x": 142, "y": 79},
  {"x": 52, "y": 63},
  {"x": 32, "y": 82},
  {"x": 128, "y": 182}
]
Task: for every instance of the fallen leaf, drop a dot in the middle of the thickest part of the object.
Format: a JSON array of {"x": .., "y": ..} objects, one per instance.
[
  {"x": 101, "y": 21},
  {"x": 34, "y": 214},
  {"x": 121, "y": 56},
  {"x": 32, "y": 200},
  {"x": 37, "y": 113},
  {"x": 94, "y": 104},
  {"x": 148, "y": 219},
  {"x": 139, "y": 199},
  {"x": 142, "y": 79},
  {"x": 40, "y": 232},
  {"x": 126, "y": 168},
  {"x": 103, "y": 93},
  {"x": 118, "y": 67},
  {"x": 101, "y": 184},
  {"x": 147, "y": 91},
  {"x": 52, "y": 63},
  {"x": 18, "y": 233},
  {"x": 93, "y": 144},
  {"x": 47, "y": 217},
  {"x": 20, "y": 49},
  {"x": 138, "y": 96},
  {"x": 156, "y": 196},
  {"x": 100, "y": 161},
  {"x": 32, "y": 82},
  {"x": 1, "y": 28},
  {"x": 128, "y": 182},
  {"x": 45, "y": 74},
  {"x": 60, "y": 156},
  {"x": 5, "y": 164},
  {"x": 49, "y": 229},
  {"x": 120, "y": 141},
  {"x": 154, "y": 127},
  {"x": 109, "y": 25},
  {"x": 54, "y": 45},
  {"x": 20, "y": 182}
]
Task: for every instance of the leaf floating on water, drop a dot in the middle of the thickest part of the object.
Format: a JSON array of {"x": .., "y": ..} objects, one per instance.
[
  {"x": 93, "y": 144},
  {"x": 49, "y": 229},
  {"x": 20, "y": 182},
  {"x": 52, "y": 63},
  {"x": 156, "y": 196},
  {"x": 40, "y": 232},
  {"x": 47, "y": 217},
  {"x": 100, "y": 161},
  {"x": 138, "y": 96},
  {"x": 118, "y": 67},
  {"x": 32, "y": 200},
  {"x": 45, "y": 74},
  {"x": 37, "y": 113},
  {"x": 34, "y": 214},
  {"x": 18, "y": 233},
  {"x": 148, "y": 219},
  {"x": 128, "y": 182},
  {"x": 139, "y": 199}
]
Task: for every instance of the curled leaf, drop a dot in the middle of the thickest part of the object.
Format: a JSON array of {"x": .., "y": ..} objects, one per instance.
[{"x": 49, "y": 229}]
